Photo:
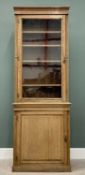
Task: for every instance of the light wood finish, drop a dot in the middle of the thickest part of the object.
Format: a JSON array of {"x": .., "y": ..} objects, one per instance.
[
  {"x": 30, "y": 31},
  {"x": 41, "y": 85},
  {"x": 46, "y": 128},
  {"x": 47, "y": 131},
  {"x": 38, "y": 137},
  {"x": 67, "y": 56},
  {"x": 41, "y": 125},
  {"x": 42, "y": 45},
  {"x": 42, "y": 167},
  {"x": 18, "y": 51},
  {"x": 56, "y": 137},
  {"x": 16, "y": 58},
  {"x": 40, "y": 16},
  {"x": 45, "y": 105},
  {"x": 63, "y": 62},
  {"x": 78, "y": 168},
  {"x": 41, "y": 10},
  {"x": 47, "y": 61}
]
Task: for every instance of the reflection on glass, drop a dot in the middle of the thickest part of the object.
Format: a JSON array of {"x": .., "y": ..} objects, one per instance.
[
  {"x": 41, "y": 24},
  {"x": 41, "y": 53},
  {"x": 34, "y": 74},
  {"x": 42, "y": 91},
  {"x": 42, "y": 38}
]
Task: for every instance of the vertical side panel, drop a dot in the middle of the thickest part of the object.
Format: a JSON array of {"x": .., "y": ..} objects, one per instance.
[
  {"x": 67, "y": 57},
  {"x": 19, "y": 58},
  {"x": 66, "y": 137},
  {"x": 63, "y": 60},
  {"x": 16, "y": 139},
  {"x": 68, "y": 132},
  {"x": 16, "y": 59}
]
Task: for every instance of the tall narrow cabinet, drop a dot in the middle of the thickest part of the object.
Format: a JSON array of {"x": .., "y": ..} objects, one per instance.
[{"x": 41, "y": 105}]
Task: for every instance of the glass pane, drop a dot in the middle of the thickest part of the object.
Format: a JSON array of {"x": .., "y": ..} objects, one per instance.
[
  {"x": 41, "y": 24},
  {"x": 41, "y": 58},
  {"x": 42, "y": 53},
  {"x": 42, "y": 38},
  {"x": 42, "y": 91},
  {"x": 43, "y": 74}
]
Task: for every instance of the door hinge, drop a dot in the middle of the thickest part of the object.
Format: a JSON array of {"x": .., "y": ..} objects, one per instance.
[
  {"x": 17, "y": 58},
  {"x": 65, "y": 59}
]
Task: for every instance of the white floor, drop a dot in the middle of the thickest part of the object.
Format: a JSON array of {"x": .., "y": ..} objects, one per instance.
[{"x": 78, "y": 168}]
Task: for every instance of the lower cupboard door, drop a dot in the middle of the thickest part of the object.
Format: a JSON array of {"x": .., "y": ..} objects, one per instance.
[{"x": 40, "y": 137}]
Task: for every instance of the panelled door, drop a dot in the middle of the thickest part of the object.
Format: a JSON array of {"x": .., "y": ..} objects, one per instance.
[{"x": 41, "y": 136}]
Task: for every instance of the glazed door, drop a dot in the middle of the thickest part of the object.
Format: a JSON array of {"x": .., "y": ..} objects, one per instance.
[{"x": 41, "y": 49}]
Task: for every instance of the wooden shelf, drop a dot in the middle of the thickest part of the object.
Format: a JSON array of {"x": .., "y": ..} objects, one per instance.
[
  {"x": 42, "y": 45},
  {"x": 41, "y": 61},
  {"x": 38, "y": 85},
  {"x": 30, "y": 31},
  {"x": 27, "y": 63}
]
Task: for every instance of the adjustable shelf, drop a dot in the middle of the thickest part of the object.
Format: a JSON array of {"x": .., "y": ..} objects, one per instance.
[
  {"x": 42, "y": 45},
  {"x": 37, "y": 85},
  {"x": 41, "y": 61},
  {"x": 49, "y": 32}
]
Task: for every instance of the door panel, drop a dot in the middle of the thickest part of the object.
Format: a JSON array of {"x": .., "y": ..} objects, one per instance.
[
  {"x": 42, "y": 136},
  {"x": 34, "y": 138},
  {"x": 56, "y": 135}
]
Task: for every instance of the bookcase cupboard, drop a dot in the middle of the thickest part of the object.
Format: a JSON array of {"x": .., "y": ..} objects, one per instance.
[{"x": 41, "y": 105}]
